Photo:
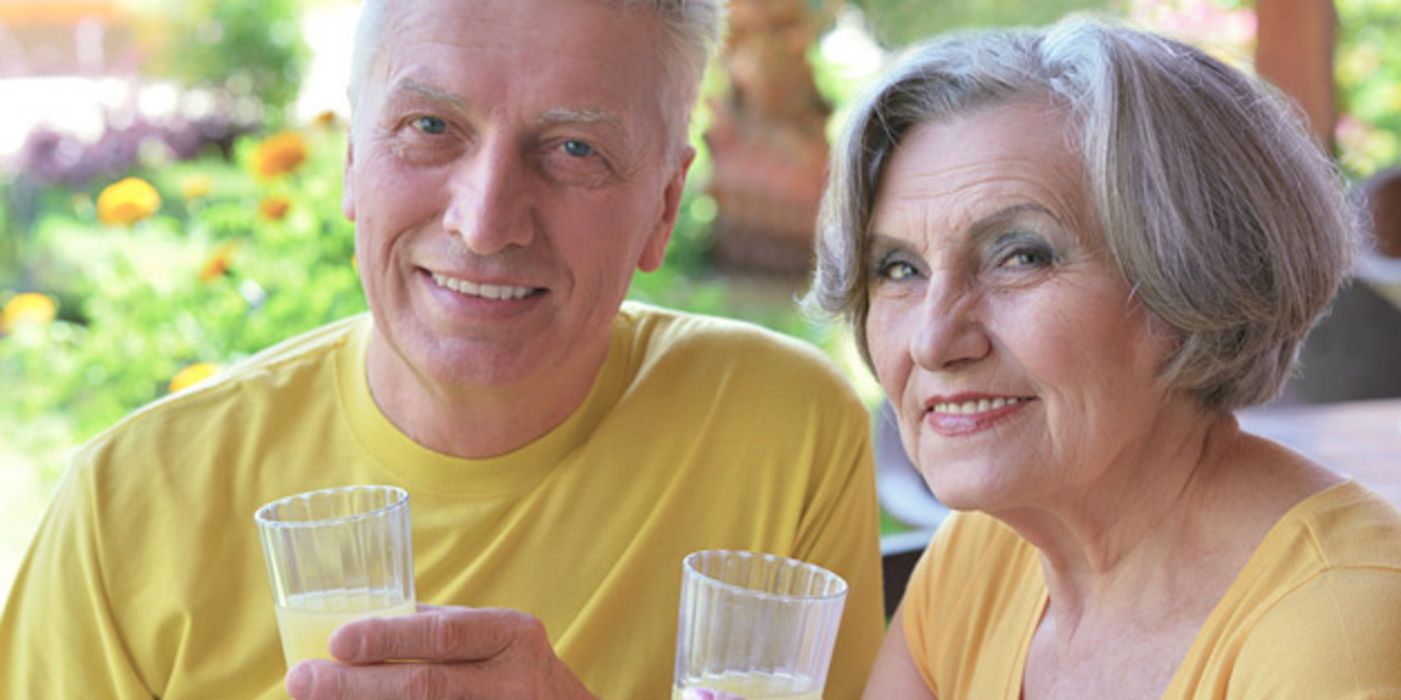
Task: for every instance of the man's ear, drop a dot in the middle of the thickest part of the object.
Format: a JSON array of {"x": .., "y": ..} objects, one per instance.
[
  {"x": 655, "y": 250},
  {"x": 348, "y": 197}
]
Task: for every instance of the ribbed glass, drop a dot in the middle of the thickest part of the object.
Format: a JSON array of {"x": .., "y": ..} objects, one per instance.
[
  {"x": 334, "y": 555},
  {"x": 756, "y": 621}
]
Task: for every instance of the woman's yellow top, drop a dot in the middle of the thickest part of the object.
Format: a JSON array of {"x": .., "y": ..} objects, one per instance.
[{"x": 1315, "y": 613}]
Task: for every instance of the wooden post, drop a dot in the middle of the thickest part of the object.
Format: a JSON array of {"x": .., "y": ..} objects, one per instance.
[
  {"x": 1294, "y": 50},
  {"x": 767, "y": 139}
]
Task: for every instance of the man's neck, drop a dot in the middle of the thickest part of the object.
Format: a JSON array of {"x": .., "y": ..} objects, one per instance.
[{"x": 476, "y": 422}]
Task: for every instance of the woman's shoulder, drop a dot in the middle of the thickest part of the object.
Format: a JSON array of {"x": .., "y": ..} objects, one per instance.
[
  {"x": 971, "y": 601},
  {"x": 1343, "y": 528},
  {"x": 1328, "y": 615},
  {"x": 1336, "y": 634}
]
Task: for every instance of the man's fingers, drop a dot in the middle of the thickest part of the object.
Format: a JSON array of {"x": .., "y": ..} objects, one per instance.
[
  {"x": 328, "y": 680},
  {"x": 434, "y": 634}
]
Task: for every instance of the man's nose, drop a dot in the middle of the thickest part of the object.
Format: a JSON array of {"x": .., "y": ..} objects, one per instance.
[
  {"x": 489, "y": 205},
  {"x": 951, "y": 331}
]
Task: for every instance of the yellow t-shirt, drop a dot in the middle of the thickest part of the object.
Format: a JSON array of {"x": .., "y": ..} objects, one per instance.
[
  {"x": 147, "y": 578},
  {"x": 1315, "y": 613}
]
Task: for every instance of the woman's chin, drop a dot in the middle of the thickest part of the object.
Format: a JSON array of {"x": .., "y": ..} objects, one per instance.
[{"x": 967, "y": 488}]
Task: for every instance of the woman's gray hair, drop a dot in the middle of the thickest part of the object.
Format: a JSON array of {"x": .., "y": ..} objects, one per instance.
[
  {"x": 692, "y": 28},
  {"x": 1228, "y": 221}
]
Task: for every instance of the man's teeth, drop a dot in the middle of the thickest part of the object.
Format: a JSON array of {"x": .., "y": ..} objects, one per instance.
[
  {"x": 979, "y": 406},
  {"x": 485, "y": 291}
]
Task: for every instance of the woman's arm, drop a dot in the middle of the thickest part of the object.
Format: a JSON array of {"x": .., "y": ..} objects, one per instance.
[{"x": 894, "y": 675}]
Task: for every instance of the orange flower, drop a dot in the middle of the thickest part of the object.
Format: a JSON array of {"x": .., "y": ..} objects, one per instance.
[
  {"x": 30, "y": 308},
  {"x": 126, "y": 202},
  {"x": 196, "y": 186},
  {"x": 192, "y": 375},
  {"x": 279, "y": 154},
  {"x": 274, "y": 208},
  {"x": 218, "y": 263}
]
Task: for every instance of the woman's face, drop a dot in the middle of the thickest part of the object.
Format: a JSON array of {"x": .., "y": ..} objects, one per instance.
[{"x": 1020, "y": 364}]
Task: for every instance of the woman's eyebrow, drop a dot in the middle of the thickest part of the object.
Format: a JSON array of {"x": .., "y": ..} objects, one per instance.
[{"x": 981, "y": 228}]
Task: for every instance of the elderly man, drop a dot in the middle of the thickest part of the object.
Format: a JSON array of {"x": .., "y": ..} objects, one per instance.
[{"x": 511, "y": 163}]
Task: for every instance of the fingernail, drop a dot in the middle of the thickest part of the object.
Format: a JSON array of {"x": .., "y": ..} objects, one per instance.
[
  {"x": 697, "y": 694},
  {"x": 300, "y": 681}
]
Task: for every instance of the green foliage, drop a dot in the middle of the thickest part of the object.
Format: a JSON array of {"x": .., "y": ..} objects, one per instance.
[
  {"x": 1368, "y": 73},
  {"x": 901, "y": 22},
  {"x": 207, "y": 279},
  {"x": 250, "y": 51}
]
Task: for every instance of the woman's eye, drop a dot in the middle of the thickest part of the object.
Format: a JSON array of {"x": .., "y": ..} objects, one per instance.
[
  {"x": 430, "y": 125},
  {"x": 1026, "y": 257},
  {"x": 897, "y": 271},
  {"x": 578, "y": 149}
]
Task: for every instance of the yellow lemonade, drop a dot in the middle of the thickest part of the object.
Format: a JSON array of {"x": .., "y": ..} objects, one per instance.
[
  {"x": 754, "y": 686},
  {"x": 307, "y": 622}
]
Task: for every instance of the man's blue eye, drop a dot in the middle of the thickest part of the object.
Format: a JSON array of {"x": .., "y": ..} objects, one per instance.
[
  {"x": 578, "y": 149},
  {"x": 431, "y": 125}
]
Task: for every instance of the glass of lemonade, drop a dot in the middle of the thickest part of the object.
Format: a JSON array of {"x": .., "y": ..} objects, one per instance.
[
  {"x": 756, "y": 625},
  {"x": 333, "y": 556}
]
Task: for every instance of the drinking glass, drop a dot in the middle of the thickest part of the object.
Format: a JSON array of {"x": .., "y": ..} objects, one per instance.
[
  {"x": 756, "y": 625},
  {"x": 333, "y": 556}
]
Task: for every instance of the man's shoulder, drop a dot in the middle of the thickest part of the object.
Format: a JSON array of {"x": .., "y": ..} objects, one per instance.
[
  {"x": 723, "y": 344},
  {"x": 278, "y": 377}
]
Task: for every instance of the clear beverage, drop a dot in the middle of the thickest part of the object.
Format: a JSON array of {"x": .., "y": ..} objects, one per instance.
[
  {"x": 307, "y": 621},
  {"x": 756, "y": 625},
  {"x": 755, "y": 686}
]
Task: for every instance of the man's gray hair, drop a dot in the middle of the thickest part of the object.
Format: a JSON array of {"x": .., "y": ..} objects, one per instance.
[
  {"x": 692, "y": 28},
  {"x": 1228, "y": 221}
]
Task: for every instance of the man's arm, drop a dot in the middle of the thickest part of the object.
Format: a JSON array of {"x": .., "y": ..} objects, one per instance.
[
  {"x": 841, "y": 531},
  {"x": 58, "y": 635}
]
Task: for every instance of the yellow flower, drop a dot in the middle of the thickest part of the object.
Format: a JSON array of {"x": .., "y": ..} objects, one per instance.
[
  {"x": 192, "y": 375},
  {"x": 196, "y": 186},
  {"x": 126, "y": 202},
  {"x": 218, "y": 263},
  {"x": 273, "y": 208},
  {"x": 327, "y": 118},
  {"x": 30, "y": 308},
  {"x": 279, "y": 154}
]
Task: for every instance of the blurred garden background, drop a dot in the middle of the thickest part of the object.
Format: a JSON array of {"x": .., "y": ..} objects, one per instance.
[{"x": 170, "y": 177}]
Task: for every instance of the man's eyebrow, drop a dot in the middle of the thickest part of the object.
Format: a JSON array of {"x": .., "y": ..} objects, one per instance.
[
  {"x": 429, "y": 91},
  {"x": 569, "y": 115}
]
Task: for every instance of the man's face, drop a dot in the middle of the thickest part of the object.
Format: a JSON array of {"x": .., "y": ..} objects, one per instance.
[{"x": 509, "y": 169}]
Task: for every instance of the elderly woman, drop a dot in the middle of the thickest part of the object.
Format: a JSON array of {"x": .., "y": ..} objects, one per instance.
[{"x": 1069, "y": 255}]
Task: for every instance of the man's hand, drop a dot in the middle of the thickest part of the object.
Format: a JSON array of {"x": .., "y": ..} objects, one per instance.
[{"x": 456, "y": 653}]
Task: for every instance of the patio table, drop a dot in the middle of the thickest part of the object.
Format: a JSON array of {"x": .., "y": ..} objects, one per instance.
[{"x": 1359, "y": 439}]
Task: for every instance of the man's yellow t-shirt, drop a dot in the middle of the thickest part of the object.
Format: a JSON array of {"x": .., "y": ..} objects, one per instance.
[
  {"x": 1315, "y": 613},
  {"x": 147, "y": 578}
]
